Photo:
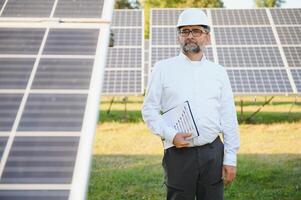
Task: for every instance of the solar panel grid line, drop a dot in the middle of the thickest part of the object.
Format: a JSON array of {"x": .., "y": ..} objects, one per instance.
[
  {"x": 22, "y": 106},
  {"x": 291, "y": 80},
  {"x": 53, "y": 8}
]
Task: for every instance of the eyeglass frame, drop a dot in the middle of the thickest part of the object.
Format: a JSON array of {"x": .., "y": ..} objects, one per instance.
[{"x": 202, "y": 32}]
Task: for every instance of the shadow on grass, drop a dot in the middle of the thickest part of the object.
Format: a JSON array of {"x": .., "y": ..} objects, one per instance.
[
  {"x": 261, "y": 118},
  {"x": 260, "y": 177}
]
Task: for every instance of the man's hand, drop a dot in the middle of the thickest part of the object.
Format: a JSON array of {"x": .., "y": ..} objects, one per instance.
[
  {"x": 228, "y": 174},
  {"x": 179, "y": 140}
]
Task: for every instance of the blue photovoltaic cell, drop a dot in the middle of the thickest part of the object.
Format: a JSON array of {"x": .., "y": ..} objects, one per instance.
[
  {"x": 15, "y": 72},
  {"x": 71, "y": 42},
  {"x": 41, "y": 160},
  {"x": 28, "y": 8},
  {"x": 20, "y": 40},
  {"x": 62, "y": 73},
  {"x": 53, "y": 112},
  {"x": 9, "y": 105}
]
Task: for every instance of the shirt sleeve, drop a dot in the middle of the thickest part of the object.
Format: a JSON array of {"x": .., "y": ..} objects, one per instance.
[
  {"x": 152, "y": 106},
  {"x": 229, "y": 124}
]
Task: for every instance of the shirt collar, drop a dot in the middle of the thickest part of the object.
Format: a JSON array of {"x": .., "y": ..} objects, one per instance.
[{"x": 182, "y": 55}]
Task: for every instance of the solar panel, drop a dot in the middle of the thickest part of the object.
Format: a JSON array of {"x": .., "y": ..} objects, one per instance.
[
  {"x": 60, "y": 8},
  {"x": 261, "y": 81},
  {"x": 9, "y": 104},
  {"x": 124, "y": 82},
  {"x": 239, "y": 17},
  {"x": 289, "y": 35},
  {"x": 249, "y": 57},
  {"x": 296, "y": 74},
  {"x": 250, "y": 43},
  {"x": 125, "y": 61},
  {"x": 127, "y": 18},
  {"x": 127, "y": 37},
  {"x": 34, "y": 194},
  {"x": 124, "y": 58},
  {"x": 41, "y": 160},
  {"x": 293, "y": 56},
  {"x": 286, "y": 16},
  {"x": 15, "y": 72},
  {"x": 244, "y": 36},
  {"x": 164, "y": 36},
  {"x": 20, "y": 40},
  {"x": 28, "y": 8},
  {"x": 50, "y": 81},
  {"x": 79, "y": 8}
]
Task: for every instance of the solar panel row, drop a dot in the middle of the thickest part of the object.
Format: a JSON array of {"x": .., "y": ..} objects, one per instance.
[
  {"x": 256, "y": 46},
  {"x": 124, "y": 71}
]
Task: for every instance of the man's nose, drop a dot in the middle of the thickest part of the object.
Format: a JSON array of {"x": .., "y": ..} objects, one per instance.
[{"x": 190, "y": 35}]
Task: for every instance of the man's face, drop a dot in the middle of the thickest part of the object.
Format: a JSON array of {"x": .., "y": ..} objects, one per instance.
[{"x": 193, "y": 39}]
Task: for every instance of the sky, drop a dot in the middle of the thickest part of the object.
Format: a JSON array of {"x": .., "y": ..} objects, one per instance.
[{"x": 251, "y": 4}]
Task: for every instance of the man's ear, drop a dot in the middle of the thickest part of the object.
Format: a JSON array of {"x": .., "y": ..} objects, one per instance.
[{"x": 208, "y": 39}]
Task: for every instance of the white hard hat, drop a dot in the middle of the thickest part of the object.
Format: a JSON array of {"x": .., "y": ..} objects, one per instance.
[{"x": 193, "y": 16}]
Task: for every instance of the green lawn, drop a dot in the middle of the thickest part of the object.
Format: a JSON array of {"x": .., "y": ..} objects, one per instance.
[{"x": 127, "y": 157}]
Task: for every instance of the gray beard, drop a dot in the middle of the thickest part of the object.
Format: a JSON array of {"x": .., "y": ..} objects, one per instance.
[{"x": 191, "y": 48}]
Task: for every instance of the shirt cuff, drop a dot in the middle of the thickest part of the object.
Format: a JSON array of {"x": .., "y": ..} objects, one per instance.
[
  {"x": 169, "y": 134},
  {"x": 230, "y": 159}
]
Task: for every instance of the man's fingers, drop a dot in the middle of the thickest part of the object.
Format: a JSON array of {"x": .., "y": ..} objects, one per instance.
[
  {"x": 186, "y": 135},
  {"x": 181, "y": 144}
]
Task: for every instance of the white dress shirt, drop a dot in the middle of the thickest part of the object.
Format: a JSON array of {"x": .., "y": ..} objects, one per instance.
[{"x": 207, "y": 88}]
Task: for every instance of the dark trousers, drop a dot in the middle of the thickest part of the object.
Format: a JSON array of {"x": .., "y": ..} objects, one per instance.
[{"x": 194, "y": 172}]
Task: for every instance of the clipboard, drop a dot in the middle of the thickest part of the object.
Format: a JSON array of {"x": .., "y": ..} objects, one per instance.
[{"x": 181, "y": 119}]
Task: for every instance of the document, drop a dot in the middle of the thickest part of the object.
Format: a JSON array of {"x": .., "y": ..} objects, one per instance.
[{"x": 181, "y": 119}]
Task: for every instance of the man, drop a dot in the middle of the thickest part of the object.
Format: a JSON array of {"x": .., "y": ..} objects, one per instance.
[{"x": 198, "y": 167}]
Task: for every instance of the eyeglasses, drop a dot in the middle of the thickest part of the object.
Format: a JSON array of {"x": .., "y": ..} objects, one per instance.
[{"x": 194, "y": 32}]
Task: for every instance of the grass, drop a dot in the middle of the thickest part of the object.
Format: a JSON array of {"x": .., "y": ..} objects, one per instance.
[{"x": 127, "y": 158}]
